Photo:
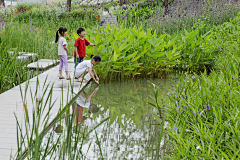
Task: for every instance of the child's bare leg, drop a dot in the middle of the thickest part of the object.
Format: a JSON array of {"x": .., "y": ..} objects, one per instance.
[
  {"x": 66, "y": 74},
  {"x": 60, "y": 73},
  {"x": 81, "y": 78},
  {"x": 84, "y": 74}
]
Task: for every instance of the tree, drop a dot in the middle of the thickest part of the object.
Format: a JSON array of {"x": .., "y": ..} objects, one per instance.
[{"x": 69, "y": 5}]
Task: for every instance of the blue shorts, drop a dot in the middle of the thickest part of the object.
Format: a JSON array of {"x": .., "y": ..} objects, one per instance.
[{"x": 78, "y": 60}]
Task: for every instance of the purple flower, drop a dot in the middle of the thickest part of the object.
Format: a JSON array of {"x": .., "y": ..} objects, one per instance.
[
  {"x": 179, "y": 15},
  {"x": 172, "y": 85},
  {"x": 30, "y": 23},
  {"x": 176, "y": 97},
  {"x": 175, "y": 128},
  {"x": 210, "y": 9},
  {"x": 195, "y": 113},
  {"x": 182, "y": 98},
  {"x": 168, "y": 93},
  {"x": 152, "y": 1},
  {"x": 84, "y": 8},
  {"x": 229, "y": 84},
  {"x": 148, "y": 16},
  {"x": 177, "y": 106},
  {"x": 185, "y": 107},
  {"x": 3, "y": 23},
  {"x": 208, "y": 107}
]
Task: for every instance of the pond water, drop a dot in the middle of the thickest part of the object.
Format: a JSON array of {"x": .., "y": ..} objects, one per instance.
[{"x": 127, "y": 102}]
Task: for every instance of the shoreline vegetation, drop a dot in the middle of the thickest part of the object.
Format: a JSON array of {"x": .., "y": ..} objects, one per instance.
[{"x": 198, "y": 40}]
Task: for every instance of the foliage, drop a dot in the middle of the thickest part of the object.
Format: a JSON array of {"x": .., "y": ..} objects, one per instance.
[
  {"x": 180, "y": 15},
  {"x": 204, "y": 110},
  {"x": 129, "y": 53},
  {"x": 11, "y": 70}
]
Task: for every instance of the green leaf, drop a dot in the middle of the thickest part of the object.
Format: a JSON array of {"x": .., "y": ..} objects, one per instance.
[
  {"x": 136, "y": 58},
  {"x": 98, "y": 38},
  {"x": 137, "y": 120},
  {"x": 132, "y": 55},
  {"x": 158, "y": 119},
  {"x": 112, "y": 119},
  {"x": 119, "y": 122}
]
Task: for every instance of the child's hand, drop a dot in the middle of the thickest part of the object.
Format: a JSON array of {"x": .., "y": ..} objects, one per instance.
[
  {"x": 77, "y": 56},
  {"x": 97, "y": 79},
  {"x": 97, "y": 82}
]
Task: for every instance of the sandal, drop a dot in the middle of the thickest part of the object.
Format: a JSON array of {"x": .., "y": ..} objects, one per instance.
[
  {"x": 68, "y": 78},
  {"x": 82, "y": 80},
  {"x": 61, "y": 77}
]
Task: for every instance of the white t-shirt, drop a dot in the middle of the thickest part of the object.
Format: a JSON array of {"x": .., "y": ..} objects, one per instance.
[
  {"x": 61, "y": 50},
  {"x": 83, "y": 102},
  {"x": 84, "y": 65}
]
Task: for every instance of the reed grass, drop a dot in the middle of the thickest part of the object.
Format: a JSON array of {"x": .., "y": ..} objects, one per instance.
[{"x": 203, "y": 108}]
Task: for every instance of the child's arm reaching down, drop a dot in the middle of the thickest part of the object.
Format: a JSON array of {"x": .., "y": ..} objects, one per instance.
[{"x": 95, "y": 75}]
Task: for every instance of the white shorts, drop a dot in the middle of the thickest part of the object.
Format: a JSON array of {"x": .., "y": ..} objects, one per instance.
[{"x": 79, "y": 73}]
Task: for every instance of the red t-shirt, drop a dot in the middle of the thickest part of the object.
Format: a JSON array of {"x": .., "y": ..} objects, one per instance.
[
  {"x": 77, "y": 118},
  {"x": 81, "y": 47}
]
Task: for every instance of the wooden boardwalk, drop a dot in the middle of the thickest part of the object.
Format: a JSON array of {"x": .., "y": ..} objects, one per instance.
[{"x": 11, "y": 102}]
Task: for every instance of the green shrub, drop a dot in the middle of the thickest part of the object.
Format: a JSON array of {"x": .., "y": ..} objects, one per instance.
[
  {"x": 83, "y": 13},
  {"x": 131, "y": 52}
]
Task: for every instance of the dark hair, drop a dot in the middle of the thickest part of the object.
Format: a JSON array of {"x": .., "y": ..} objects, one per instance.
[
  {"x": 80, "y": 30},
  {"x": 96, "y": 58},
  {"x": 93, "y": 108},
  {"x": 61, "y": 30}
]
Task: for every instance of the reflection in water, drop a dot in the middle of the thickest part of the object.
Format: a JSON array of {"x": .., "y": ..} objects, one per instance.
[
  {"x": 129, "y": 134},
  {"x": 83, "y": 101}
]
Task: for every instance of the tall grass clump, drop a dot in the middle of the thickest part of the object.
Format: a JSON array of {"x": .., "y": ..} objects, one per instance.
[
  {"x": 37, "y": 137},
  {"x": 13, "y": 72},
  {"x": 203, "y": 110}
]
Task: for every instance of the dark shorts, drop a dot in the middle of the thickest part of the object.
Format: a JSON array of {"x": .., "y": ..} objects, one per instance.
[{"x": 78, "y": 60}]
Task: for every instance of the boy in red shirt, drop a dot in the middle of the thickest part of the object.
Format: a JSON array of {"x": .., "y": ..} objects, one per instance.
[{"x": 80, "y": 46}]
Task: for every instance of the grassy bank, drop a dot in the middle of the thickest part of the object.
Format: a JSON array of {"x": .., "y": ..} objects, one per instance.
[{"x": 204, "y": 109}]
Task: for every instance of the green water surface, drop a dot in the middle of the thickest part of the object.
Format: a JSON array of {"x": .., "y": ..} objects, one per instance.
[{"x": 129, "y": 134}]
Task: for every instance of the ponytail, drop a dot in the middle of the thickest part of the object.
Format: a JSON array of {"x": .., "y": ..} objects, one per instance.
[
  {"x": 61, "y": 30},
  {"x": 96, "y": 58},
  {"x": 57, "y": 36}
]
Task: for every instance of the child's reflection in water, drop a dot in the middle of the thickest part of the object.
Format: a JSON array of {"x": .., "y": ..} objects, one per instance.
[{"x": 83, "y": 101}]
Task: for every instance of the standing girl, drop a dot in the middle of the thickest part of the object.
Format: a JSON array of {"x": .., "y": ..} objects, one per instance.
[
  {"x": 62, "y": 51},
  {"x": 87, "y": 67}
]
